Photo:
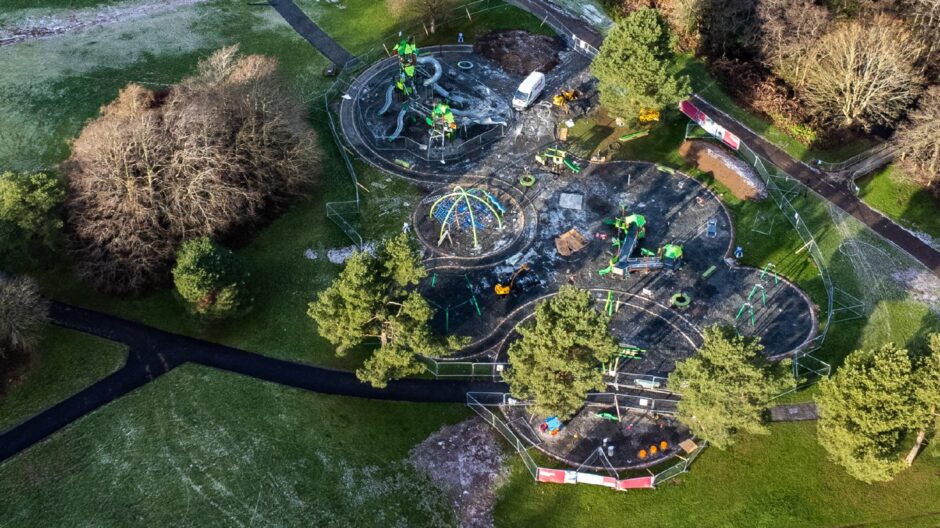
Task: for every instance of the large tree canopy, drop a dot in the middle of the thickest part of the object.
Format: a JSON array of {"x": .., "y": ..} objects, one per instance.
[
  {"x": 867, "y": 410},
  {"x": 635, "y": 67},
  {"x": 30, "y": 223},
  {"x": 863, "y": 73},
  {"x": 726, "y": 387},
  {"x": 558, "y": 359},
  {"x": 206, "y": 157},
  {"x": 917, "y": 140},
  {"x": 373, "y": 298}
]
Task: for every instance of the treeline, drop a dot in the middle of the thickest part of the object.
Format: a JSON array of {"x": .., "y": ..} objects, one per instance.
[{"x": 818, "y": 69}]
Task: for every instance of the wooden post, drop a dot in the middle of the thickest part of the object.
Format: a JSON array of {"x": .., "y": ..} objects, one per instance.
[{"x": 617, "y": 406}]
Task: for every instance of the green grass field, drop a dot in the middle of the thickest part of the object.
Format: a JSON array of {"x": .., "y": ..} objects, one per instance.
[
  {"x": 200, "y": 447},
  {"x": 904, "y": 201},
  {"x": 63, "y": 364},
  {"x": 780, "y": 480},
  {"x": 206, "y": 448}
]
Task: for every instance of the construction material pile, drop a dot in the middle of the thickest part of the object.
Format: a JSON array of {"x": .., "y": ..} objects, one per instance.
[
  {"x": 520, "y": 52},
  {"x": 733, "y": 173}
]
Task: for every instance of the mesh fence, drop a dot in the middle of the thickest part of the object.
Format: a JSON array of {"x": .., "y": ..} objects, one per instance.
[
  {"x": 480, "y": 407},
  {"x": 346, "y": 213}
]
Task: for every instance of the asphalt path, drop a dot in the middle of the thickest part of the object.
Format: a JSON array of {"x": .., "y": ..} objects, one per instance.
[{"x": 154, "y": 352}]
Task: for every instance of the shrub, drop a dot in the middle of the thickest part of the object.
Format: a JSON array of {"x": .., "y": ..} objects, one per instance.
[
  {"x": 210, "y": 278},
  {"x": 30, "y": 225}
]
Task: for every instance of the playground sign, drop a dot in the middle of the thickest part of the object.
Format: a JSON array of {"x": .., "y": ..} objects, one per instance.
[{"x": 710, "y": 126}]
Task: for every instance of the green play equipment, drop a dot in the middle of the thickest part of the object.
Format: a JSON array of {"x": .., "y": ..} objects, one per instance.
[
  {"x": 633, "y": 135},
  {"x": 750, "y": 310},
  {"x": 556, "y": 159},
  {"x": 630, "y": 229},
  {"x": 442, "y": 120},
  {"x": 607, "y": 416},
  {"x": 631, "y": 352},
  {"x": 709, "y": 271},
  {"x": 681, "y": 300},
  {"x": 771, "y": 268},
  {"x": 763, "y": 294},
  {"x": 470, "y": 209},
  {"x": 527, "y": 180}
]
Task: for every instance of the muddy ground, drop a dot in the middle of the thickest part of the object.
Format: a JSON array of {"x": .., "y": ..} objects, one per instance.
[
  {"x": 519, "y": 52},
  {"x": 732, "y": 172},
  {"x": 466, "y": 462}
]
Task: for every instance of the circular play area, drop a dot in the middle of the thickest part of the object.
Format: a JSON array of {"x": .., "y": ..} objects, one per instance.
[
  {"x": 470, "y": 219},
  {"x": 509, "y": 216}
]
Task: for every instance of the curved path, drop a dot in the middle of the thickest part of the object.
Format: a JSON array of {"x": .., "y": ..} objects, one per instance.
[
  {"x": 312, "y": 32},
  {"x": 841, "y": 197},
  {"x": 155, "y": 352}
]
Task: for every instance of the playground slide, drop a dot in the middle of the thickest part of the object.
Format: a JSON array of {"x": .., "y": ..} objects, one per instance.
[
  {"x": 480, "y": 120},
  {"x": 388, "y": 99},
  {"x": 400, "y": 125},
  {"x": 437, "y": 70},
  {"x": 627, "y": 246}
]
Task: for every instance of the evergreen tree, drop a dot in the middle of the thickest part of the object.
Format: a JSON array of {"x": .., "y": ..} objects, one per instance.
[
  {"x": 726, "y": 387},
  {"x": 636, "y": 66},
  {"x": 30, "y": 225},
  {"x": 372, "y": 298},
  {"x": 558, "y": 359},
  {"x": 210, "y": 279},
  {"x": 867, "y": 410}
]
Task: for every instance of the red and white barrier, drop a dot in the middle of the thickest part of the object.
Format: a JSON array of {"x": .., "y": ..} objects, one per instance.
[
  {"x": 561, "y": 476},
  {"x": 710, "y": 126}
]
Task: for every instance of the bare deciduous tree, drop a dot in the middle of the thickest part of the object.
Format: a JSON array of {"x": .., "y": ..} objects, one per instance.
[
  {"x": 918, "y": 141},
  {"x": 429, "y": 12},
  {"x": 788, "y": 29},
  {"x": 863, "y": 73},
  {"x": 204, "y": 158},
  {"x": 924, "y": 19},
  {"x": 23, "y": 312}
]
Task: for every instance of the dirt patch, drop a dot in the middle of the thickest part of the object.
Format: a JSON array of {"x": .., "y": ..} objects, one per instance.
[
  {"x": 741, "y": 179},
  {"x": 520, "y": 52},
  {"x": 466, "y": 462},
  {"x": 922, "y": 285}
]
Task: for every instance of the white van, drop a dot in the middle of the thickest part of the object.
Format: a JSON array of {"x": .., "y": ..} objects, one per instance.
[{"x": 528, "y": 91}]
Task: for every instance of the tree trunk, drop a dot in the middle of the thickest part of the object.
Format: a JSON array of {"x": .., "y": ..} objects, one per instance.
[{"x": 917, "y": 445}]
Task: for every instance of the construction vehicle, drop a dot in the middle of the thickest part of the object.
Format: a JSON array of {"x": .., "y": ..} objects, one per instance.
[
  {"x": 505, "y": 289},
  {"x": 562, "y": 98}
]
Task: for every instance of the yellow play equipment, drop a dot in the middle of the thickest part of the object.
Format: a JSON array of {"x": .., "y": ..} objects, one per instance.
[
  {"x": 504, "y": 289},
  {"x": 649, "y": 115}
]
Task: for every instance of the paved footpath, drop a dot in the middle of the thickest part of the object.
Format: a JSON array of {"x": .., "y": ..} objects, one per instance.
[
  {"x": 310, "y": 31},
  {"x": 841, "y": 197},
  {"x": 153, "y": 352}
]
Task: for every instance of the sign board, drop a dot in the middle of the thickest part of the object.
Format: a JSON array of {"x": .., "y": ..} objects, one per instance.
[
  {"x": 597, "y": 480},
  {"x": 635, "y": 483},
  {"x": 713, "y": 128},
  {"x": 557, "y": 476}
]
